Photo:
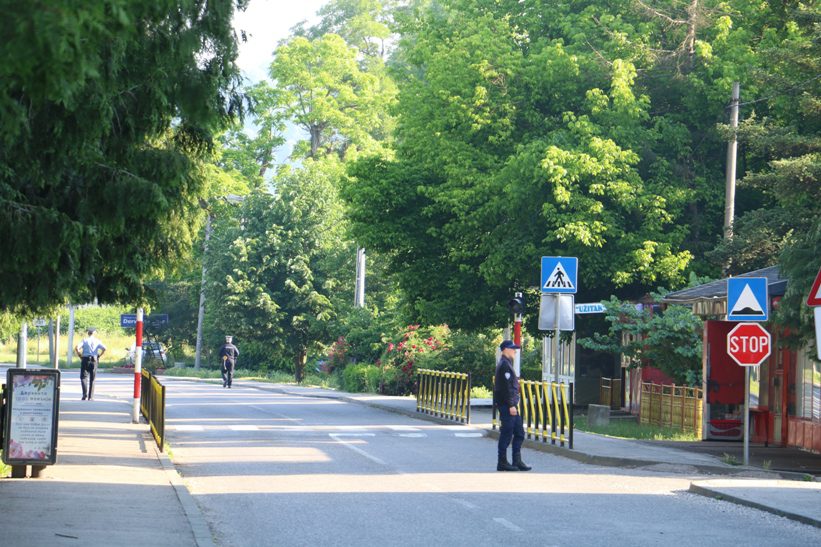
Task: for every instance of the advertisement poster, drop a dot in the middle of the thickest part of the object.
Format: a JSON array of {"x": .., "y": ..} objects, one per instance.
[{"x": 31, "y": 419}]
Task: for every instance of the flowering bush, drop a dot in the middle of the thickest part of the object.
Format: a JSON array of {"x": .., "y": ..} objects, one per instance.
[
  {"x": 399, "y": 359},
  {"x": 337, "y": 355}
]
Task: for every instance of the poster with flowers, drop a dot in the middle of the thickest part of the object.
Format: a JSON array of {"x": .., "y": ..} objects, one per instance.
[{"x": 31, "y": 429}]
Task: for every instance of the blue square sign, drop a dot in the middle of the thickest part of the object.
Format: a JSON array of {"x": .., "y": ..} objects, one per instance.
[
  {"x": 559, "y": 274},
  {"x": 747, "y": 299}
]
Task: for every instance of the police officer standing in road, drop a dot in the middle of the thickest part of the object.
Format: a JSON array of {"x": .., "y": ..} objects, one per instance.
[
  {"x": 228, "y": 354},
  {"x": 89, "y": 351},
  {"x": 506, "y": 398}
]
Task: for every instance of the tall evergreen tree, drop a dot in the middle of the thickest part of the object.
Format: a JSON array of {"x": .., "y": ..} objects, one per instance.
[{"x": 104, "y": 109}]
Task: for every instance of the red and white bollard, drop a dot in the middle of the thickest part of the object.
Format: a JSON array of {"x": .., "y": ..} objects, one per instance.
[{"x": 138, "y": 368}]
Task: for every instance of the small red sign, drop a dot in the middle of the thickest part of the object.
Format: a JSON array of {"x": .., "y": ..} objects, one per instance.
[
  {"x": 748, "y": 344},
  {"x": 814, "y": 298}
]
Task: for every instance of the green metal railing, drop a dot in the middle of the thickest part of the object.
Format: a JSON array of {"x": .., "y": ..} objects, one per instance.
[
  {"x": 547, "y": 411},
  {"x": 152, "y": 406},
  {"x": 444, "y": 394}
]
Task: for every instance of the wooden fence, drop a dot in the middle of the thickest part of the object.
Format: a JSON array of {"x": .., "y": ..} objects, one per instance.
[
  {"x": 671, "y": 406},
  {"x": 610, "y": 393}
]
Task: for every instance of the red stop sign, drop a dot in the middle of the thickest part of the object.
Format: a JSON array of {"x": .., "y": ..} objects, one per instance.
[{"x": 748, "y": 344}]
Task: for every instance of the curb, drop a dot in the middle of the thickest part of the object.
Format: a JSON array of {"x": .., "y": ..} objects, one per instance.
[
  {"x": 707, "y": 492},
  {"x": 199, "y": 527}
]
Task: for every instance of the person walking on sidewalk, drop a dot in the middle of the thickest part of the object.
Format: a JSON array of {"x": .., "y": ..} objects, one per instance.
[
  {"x": 89, "y": 351},
  {"x": 228, "y": 358},
  {"x": 506, "y": 397}
]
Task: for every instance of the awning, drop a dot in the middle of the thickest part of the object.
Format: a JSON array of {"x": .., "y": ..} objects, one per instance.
[{"x": 711, "y": 298}]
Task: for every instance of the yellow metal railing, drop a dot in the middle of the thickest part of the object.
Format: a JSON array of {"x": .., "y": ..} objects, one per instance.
[
  {"x": 152, "y": 406},
  {"x": 444, "y": 394},
  {"x": 672, "y": 406},
  {"x": 547, "y": 411}
]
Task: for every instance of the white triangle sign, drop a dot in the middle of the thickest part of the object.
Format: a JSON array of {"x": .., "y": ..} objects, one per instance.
[
  {"x": 747, "y": 304},
  {"x": 558, "y": 279}
]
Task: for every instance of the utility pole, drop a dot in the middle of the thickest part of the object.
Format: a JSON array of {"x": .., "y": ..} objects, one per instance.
[
  {"x": 729, "y": 187},
  {"x": 70, "y": 353},
  {"x": 201, "y": 313},
  {"x": 359, "y": 291}
]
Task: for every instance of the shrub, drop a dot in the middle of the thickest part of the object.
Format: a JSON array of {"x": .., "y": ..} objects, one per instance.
[
  {"x": 337, "y": 356},
  {"x": 361, "y": 378},
  {"x": 465, "y": 352},
  {"x": 399, "y": 359}
]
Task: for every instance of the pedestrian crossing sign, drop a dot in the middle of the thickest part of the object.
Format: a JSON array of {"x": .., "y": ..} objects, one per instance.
[
  {"x": 559, "y": 274},
  {"x": 747, "y": 299}
]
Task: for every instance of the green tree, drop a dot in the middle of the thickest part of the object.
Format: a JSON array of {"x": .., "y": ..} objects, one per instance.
[
  {"x": 104, "y": 110},
  {"x": 325, "y": 92},
  {"x": 669, "y": 340},
  {"x": 363, "y": 24},
  {"x": 779, "y": 136},
  {"x": 268, "y": 276},
  {"x": 510, "y": 147}
]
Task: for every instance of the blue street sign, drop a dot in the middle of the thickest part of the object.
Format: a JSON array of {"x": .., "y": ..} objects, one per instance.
[
  {"x": 594, "y": 307},
  {"x": 747, "y": 299},
  {"x": 129, "y": 320},
  {"x": 559, "y": 274}
]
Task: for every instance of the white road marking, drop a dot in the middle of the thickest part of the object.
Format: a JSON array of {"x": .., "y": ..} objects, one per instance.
[
  {"x": 187, "y": 428},
  {"x": 507, "y": 524},
  {"x": 403, "y": 428},
  {"x": 413, "y": 435},
  {"x": 244, "y": 428},
  {"x": 465, "y": 503},
  {"x": 475, "y": 434},
  {"x": 337, "y": 438}
]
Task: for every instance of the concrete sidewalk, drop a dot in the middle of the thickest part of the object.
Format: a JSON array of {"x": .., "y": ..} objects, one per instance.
[{"x": 111, "y": 486}]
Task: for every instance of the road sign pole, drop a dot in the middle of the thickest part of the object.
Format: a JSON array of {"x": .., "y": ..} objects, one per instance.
[
  {"x": 746, "y": 415},
  {"x": 556, "y": 342},
  {"x": 138, "y": 368},
  {"x": 817, "y": 313}
]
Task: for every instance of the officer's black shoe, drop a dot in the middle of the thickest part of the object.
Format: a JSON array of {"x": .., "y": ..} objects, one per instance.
[
  {"x": 520, "y": 465},
  {"x": 503, "y": 465}
]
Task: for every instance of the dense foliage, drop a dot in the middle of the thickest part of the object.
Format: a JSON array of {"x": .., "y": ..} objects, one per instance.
[
  {"x": 456, "y": 141},
  {"x": 105, "y": 108},
  {"x": 668, "y": 339}
]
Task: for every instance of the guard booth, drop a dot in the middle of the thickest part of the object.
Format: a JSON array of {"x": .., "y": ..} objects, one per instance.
[{"x": 785, "y": 390}]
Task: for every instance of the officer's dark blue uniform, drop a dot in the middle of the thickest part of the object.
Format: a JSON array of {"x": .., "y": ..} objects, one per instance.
[
  {"x": 228, "y": 354},
  {"x": 506, "y": 397}
]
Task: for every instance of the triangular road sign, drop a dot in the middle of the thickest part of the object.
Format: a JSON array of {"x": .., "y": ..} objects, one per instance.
[
  {"x": 747, "y": 299},
  {"x": 747, "y": 304},
  {"x": 558, "y": 279},
  {"x": 814, "y": 298}
]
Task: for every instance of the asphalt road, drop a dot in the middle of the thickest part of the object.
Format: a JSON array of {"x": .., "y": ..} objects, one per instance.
[{"x": 271, "y": 469}]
